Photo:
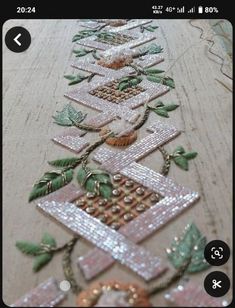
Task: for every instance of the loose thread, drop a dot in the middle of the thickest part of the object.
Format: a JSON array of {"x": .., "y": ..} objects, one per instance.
[
  {"x": 224, "y": 85},
  {"x": 210, "y": 48}
]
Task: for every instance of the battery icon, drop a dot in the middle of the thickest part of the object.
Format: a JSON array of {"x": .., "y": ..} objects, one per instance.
[{"x": 200, "y": 9}]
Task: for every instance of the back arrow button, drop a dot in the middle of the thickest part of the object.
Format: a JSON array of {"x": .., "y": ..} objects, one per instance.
[{"x": 18, "y": 39}]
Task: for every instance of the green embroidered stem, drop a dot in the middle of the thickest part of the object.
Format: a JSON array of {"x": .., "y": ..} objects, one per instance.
[
  {"x": 138, "y": 70},
  {"x": 84, "y": 157},
  {"x": 167, "y": 161},
  {"x": 141, "y": 29},
  {"x": 67, "y": 267},
  {"x": 49, "y": 249},
  {"x": 102, "y": 26},
  {"x": 90, "y": 77},
  {"x": 87, "y": 127},
  {"x": 94, "y": 55},
  {"x": 144, "y": 119},
  {"x": 175, "y": 277}
]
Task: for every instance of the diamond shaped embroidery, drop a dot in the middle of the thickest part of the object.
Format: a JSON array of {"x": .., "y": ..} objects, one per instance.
[
  {"x": 175, "y": 199},
  {"x": 123, "y": 109}
]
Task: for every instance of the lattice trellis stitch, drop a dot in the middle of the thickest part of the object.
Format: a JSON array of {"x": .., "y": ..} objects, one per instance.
[
  {"x": 46, "y": 294},
  {"x": 192, "y": 295},
  {"x": 71, "y": 139},
  {"x": 129, "y": 200},
  {"x": 87, "y": 95},
  {"x": 123, "y": 110},
  {"x": 129, "y": 25},
  {"x": 176, "y": 198},
  {"x": 91, "y": 66},
  {"x": 123, "y": 250},
  {"x": 136, "y": 39}
]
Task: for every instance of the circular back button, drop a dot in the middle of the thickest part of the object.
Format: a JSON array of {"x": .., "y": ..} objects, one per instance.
[
  {"x": 17, "y": 39},
  {"x": 217, "y": 253},
  {"x": 217, "y": 284}
]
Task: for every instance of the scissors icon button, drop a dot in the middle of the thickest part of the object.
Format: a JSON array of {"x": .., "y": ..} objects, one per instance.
[{"x": 217, "y": 284}]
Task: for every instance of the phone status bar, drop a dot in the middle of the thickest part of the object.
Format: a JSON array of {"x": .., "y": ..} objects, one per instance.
[{"x": 161, "y": 9}]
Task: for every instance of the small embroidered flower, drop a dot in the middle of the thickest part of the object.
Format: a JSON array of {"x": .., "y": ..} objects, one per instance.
[
  {"x": 113, "y": 294},
  {"x": 116, "y": 60}
]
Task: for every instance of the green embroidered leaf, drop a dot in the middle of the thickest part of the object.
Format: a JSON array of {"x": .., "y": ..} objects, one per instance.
[
  {"x": 68, "y": 116},
  {"x": 156, "y": 79},
  {"x": 94, "y": 54},
  {"x": 82, "y": 34},
  {"x": 169, "y": 82},
  {"x": 171, "y": 107},
  {"x": 106, "y": 190},
  {"x": 102, "y": 177},
  {"x": 75, "y": 116},
  {"x": 181, "y": 161},
  {"x": 107, "y": 36},
  {"x": 198, "y": 263},
  {"x": 98, "y": 182},
  {"x": 69, "y": 77},
  {"x": 62, "y": 117},
  {"x": 133, "y": 82},
  {"x": 190, "y": 245},
  {"x": 190, "y": 155},
  {"x": 179, "y": 149},
  {"x": 50, "y": 182},
  {"x": 81, "y": 52},
  {"x": 123, "y": 85},
  {"x": 150, "y": 28},
  {"x": 159, "y": 104},
  {"x": 124, "y": 79},
  {"x": 129, "y": 82},
  {"x": 41, "y": 261},
  {"x": 154, "y": 26},
  {"x": 161, "y": 111},
  {"x": 48, "y": 240},
  {"x": 151, "y": 49},
  {"x": 151, "y": 71},
  {"x": 28, "y": 247},
  {"x": 65, "y": 162},
  {"x": 74, "y": 79}
]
